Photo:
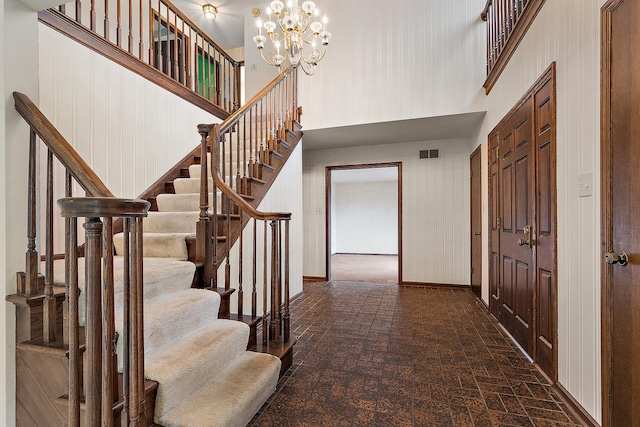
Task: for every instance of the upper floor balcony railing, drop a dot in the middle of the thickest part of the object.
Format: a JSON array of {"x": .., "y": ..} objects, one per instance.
[
  {"x": 507, "y": 23},
  {"x": 157, "y": 33}
]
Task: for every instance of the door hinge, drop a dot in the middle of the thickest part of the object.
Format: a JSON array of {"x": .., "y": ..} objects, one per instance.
[
  {"x": 471, "y": 270},
  {"x": 499, "y": 222},
  {"x": 498, "y": 295}
]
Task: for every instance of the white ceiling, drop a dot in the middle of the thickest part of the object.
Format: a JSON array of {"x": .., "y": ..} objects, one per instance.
[
  {"x": 350, "y": 176},
  {"x": 413, "y": 130}
]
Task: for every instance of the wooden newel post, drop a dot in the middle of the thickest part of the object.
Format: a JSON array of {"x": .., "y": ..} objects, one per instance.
[
  {"x": 32, "y": 259},
  {"x": 203, "y": 227},
  {"x": 93, "y": 328}
]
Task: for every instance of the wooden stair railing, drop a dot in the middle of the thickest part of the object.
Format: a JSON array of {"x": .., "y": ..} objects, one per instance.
[
  {"x": 155, "y": 34},
  {"x": 275, "y": 255},
  {"x": 245, "y": 143},
  {"x": 92, "y": 364}
]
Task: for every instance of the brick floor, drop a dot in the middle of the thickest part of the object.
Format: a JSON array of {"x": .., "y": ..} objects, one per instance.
[{"x": 384, "y": 355}]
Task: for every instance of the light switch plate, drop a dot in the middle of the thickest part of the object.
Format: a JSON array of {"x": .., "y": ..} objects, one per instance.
[{"x": 585, "y": 184}]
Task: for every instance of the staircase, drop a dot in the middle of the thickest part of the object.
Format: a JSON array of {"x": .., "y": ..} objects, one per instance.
[{"x": 150, "y": 340}]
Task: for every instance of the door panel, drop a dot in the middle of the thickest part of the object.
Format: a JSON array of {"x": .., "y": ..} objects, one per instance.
[
  {"x": 494, "y": 225},
  {"x": 622, "y": 283},
  {"x": 545, "y": 243},
  {"x": 516, "y": 194}
]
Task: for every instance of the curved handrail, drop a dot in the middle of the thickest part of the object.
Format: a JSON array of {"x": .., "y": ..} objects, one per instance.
[
  {"x": 214, "y": 136},
  {"x": 60, "y": 147},
  {"x": 230, "y": 121},
  {"x": 485, "y": 11}
]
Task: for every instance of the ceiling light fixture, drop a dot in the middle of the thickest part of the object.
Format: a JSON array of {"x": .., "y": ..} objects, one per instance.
[
  {"x": 300, "y": 26},
  {"x": 209, "y": 11}
]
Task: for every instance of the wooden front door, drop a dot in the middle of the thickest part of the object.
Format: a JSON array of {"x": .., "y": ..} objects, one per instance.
[
  {"x": 522, "y": 209},
  {"x": 476, "y": 222},
  {"x": 621, "y": 204},
  {"x": 516, "y": 176}
]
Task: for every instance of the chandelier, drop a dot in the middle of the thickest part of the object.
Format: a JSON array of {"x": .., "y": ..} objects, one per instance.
[{"x": 289, "y": 32}]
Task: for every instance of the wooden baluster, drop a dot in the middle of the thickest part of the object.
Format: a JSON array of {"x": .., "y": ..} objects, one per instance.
[
  {"x": 279, "y": 282},
  {"x": 92, "y": 16},
  {"x": 30, "y": 285},
  {"x": 140, "y": 40},
  {"x": 126, "y": 318},
  {"x": 495, "y": 33},
  {"x": 287, "y": 315},
  {"x": 109, "y": 373},
  {"x": 68, "y": 192},
  {"x": 106, "y": 19},
  {"x": 185, "y": 54},
  {"x": 274, "y": 282},
  {"x": 227, "y": 266},
  {"x": 75, "y": 360},
  {"x": 167, "y": 53},
  {"x": 49, "y": 303},
  {"x": 254, "y": 292},
  {"x": 265, "y": 329},
  {"x": 93, "y": 328},
  {"x": 118, "y": 23},
  {"x": 240, "y": 291},
  {"x": 134, "y": 330},
  {"x": 244, "y": 146},
  {"x": 78, "y": 11},
  {"x": 130, "y": 35},
  {"x": 176, "y": 55},
  {"x": 252, "y": 173},
  {"x": 139, "y": 284}
]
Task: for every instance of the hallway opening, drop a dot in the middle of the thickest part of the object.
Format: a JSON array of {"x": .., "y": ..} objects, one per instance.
[{"x": 364, "y": 205}]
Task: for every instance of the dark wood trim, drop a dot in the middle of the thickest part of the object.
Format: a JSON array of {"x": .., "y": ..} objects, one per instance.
[
  {"x": 314, "y": 279},
  {"x": 476, "y": 152},
  {"x": 572, "y": 404},
  {"x": 436, "y": 285},
  {"x": 84, "y": 36},
  {"x": 520, "y": 30},
  {"x": 606, "y": 339},
  {"x": 327, "y": 205}
]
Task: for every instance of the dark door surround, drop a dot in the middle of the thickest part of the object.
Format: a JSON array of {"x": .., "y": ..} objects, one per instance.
[
  {"x": 328, "y": 170},
  {"x": 476, "y": 221}
]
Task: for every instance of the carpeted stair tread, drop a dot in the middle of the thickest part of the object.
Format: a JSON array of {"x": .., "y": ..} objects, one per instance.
[
  {"x": 190, "y": 361},
  {"x": 162, "y": 276},
  {"x": 189, "y": 202},
  {"x": 189, "y": 185},
  {"x": 231, "y": 398},
  {"x": 167, "y": 319},
  {"x": 170, "y": 222},
  {"x": 159, "y": 245}
]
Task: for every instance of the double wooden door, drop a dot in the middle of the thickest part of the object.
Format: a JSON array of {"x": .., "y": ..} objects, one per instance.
[{"x": 522, "y": 223}]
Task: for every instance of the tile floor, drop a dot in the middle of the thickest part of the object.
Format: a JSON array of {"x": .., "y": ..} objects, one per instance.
[{"x": 384, "y": 355}]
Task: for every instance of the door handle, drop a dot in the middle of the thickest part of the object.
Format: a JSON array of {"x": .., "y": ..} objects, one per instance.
[
  {"x": 526, "y": 231},
  {"x": 477, "y": 234},
  {"x": 613, "y": 258}
]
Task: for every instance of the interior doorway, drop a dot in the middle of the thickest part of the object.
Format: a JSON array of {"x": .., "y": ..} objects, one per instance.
[{"x": 364, "y": 222}]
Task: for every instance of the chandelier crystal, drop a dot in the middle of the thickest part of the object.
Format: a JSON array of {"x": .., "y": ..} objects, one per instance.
[{"x": 293, "y": 28}]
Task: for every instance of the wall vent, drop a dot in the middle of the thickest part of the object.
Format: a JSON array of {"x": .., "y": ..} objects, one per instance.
[{"x": 429, "y": 154}]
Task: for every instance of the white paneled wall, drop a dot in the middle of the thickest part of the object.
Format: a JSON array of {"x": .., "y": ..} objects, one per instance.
[
  {"x": 435, "y": 207},
  {"x": 285, "y": 195},
  {"x": 394, "y": 62},
  {"x": 568, "y": 32},
  {"x": 365, "y": 220},
  {"x": 129, "y": 130}
]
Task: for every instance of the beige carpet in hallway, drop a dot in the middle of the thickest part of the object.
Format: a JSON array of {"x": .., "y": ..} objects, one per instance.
[{"x": 364, "y": 268}]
